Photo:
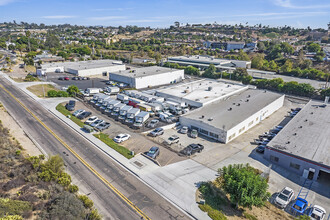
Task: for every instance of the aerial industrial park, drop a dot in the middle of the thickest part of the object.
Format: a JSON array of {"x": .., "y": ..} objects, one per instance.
[{"x": 190, "y": 121}]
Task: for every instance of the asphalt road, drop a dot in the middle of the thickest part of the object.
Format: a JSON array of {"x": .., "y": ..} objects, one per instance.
[{"x": 110, "y": 204}]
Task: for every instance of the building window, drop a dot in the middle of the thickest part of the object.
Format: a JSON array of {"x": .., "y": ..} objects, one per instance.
[
  {"x": 214, "y": 135},
  {"x": 202, "y": 131},
  {"x": 193, "y": 127},
  {"x": 273, "y": 158},
  {"x": 250, "y": 123},
  {"x": 104, "y": 73},
  {"x": 231, "y": 137},
  {"x": 242, "y": 129},
  {"x": 294, "y": 165}
]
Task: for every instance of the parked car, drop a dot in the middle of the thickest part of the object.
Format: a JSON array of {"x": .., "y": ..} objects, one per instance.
[
  {"x": 121, "y": 138},
  {"x": 300, "y": 205},
  {"x": 184, "y": 130},
  {"x": 91, "y": 120},
  {"x": 284, "y": 197},
  {"x": 88, "y": 128},
  {"x": 153, "y": 152},
  {"x": 193, "y": 133},
  {"x": 102, "y": 126},
  {"x": 75, "y": 78},
  {"x": 70, "y": 106},
  {"x": 192, "y": 149},
  {"x": 97, "y": 123},
  {"x": 66, "y": 78},
  {"x": 60, "y": 78},
  {"x": 261, "y": 148},
  {"x": 317, "y": 213},
  {"x": 157, "y": 132},
  {"x": 173, "y": 139},
  {"x": 84, "y": 115},
  {"x": 78, "y": 112},
  {"x": 153, "y": 123}
]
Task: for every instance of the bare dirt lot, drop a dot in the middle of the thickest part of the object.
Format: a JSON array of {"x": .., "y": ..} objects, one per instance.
[{"x": 41, "y": 90}]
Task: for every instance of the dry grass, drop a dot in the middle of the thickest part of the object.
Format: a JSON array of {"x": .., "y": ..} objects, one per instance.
[
  {"x": 19, "y": 80},
  {"x": 41, "y": 90},
  {"x": 30, "y": 68}
]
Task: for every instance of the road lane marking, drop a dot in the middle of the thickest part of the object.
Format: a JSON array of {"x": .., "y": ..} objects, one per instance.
[{"x": 131, "y": 204}]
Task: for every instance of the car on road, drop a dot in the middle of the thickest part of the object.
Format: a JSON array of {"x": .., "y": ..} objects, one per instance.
[
  {"x": 75, "y": 78},
  {"x": 60, "y": 78},
  {"x": 194, "y": 133},
  {"x": 284, "y": 197},
  {"x": 78, "y": 112},
  {"x": 172, "y": 140},
  {"x": 91, "y": 120},
  {"x": 84, "y": 115},
  {"x": 121, "y": 138},
  {"x": 184, "y": 130},
  {"x": 157, "y": 132},
  {"x": 66, "y": 78},
  {"x": 103, "y": 126},
  {"x": 317, "y": 213},
  {"x": 192, "y": 149},
  {"x": 153, "y": 152},
  {"x": 70, "y": 105},
  {"x": 153, "y": 123},
  {"x": 97, "y": 123},
  {"x": 300, "y": 205},
  {"x": 261, "y": 149}
]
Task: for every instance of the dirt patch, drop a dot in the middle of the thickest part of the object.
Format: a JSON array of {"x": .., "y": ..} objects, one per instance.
[
  {"x": 41, "y": 90},
  {"x": 17, "y": 132}
]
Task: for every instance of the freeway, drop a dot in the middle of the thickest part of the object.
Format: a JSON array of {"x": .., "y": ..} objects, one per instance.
[{"x": 116, "y": 192}]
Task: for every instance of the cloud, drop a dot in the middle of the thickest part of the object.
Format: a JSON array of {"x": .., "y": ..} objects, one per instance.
[
  {"x": 107, "y": 18},
  {"x": 111, "y": 9},
  {"x": 58, "y": 16},
  {"x": 6, "y": 2},
  {"x": 288, "y": 4}
]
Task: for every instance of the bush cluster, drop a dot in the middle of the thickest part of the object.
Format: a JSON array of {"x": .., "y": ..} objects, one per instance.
[{"x": 54, "y": 93}]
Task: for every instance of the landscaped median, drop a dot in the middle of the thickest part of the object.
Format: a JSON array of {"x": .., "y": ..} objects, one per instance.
[
  {"x": 61, "y": 108},
  {"x": 120, "y": 149}
]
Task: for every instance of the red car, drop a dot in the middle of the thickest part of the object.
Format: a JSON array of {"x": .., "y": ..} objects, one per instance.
[{"x": 66, "y": 78}]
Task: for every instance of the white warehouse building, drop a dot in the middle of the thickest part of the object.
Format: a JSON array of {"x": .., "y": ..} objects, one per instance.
[
  {"x": 227, "y": 119},
  {"x": 83, "y": 68},
  {"x": 148, "y": 76}
]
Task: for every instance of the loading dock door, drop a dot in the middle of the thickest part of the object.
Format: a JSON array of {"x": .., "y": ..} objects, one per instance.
[{"x": 324, "y": 176}]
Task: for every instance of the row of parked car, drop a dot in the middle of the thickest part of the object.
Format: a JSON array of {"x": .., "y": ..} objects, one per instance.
[
  {"x": 266, "y": 137},
  {"x": 299, "y": 206}
]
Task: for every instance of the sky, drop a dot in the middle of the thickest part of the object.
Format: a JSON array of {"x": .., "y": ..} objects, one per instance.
[{"x": 163, "y": 13}]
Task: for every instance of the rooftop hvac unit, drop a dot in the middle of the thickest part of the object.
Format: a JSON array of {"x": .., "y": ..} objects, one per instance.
[
  {"x": 209, "y": 88},
  {"x": 186, "y": 91},
  {"x": 210, "y": 119}
]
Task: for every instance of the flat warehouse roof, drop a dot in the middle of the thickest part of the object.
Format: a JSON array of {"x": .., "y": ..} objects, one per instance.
[
  {"x": 145, "y": 71},
  {"x": 226, "y": 114},
  {"x": 199, "y": 91},
  {"x": 90, "y": 64},
  {"x": 307, "y": 135},
  {"x": 202, "y": 59}
]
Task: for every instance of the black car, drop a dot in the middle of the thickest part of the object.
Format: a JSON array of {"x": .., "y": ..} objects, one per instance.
[
  {"x": 192, "y": 149},
  {"x": 60, "y": 78},
  {"x": 84, "y": 115},
  {"x": 261, "y": 148},
  {"x": 70, "y": 106},
  {"x": 102, "y": 126},
  {"x": 75, "y": 78}
]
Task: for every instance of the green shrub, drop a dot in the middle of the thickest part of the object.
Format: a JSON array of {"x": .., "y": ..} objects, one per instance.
[
  {"x": 13, "y": 207},
  {"x": 87, "y": 202},
  {"x": 213, "y": 213},
  {"x": 30, "y": 78},
  {"x": 94, "y": 215},
  {"x": 64, "y": 179},
  {"x": 52, "y": 93},
  {"x": 249, "y": 216},
  {"x": 62, "y": 94},
  {"x": 12, "y": 217},
  {"x": 73, "y": 188}
]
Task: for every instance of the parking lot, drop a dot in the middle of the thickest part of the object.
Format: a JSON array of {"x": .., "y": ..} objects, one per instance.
[
  {"x": 137, "y": 143},
  {"x": 93, "y": 82}
]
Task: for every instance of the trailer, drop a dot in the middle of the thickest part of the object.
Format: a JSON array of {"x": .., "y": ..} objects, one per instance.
[
  {"x": 116, "y": 109},
  {"x": 157, "y": 99},
  {"x": 131, "y": 115},
  {"x": 96, "y": 97},
  {"x": 144, "y": 107},
  {"x": 123, "y": 112},
  {"x": 134, "y": 102},
  {"x": 140, "y": 119},
  {"x": 164, "y": 117},
  {"x": 111, "y": 105},
  {"x": 174, "y": 107},
  {"x": 111, "y": 90},
  {"x": 156, "y": 107}
]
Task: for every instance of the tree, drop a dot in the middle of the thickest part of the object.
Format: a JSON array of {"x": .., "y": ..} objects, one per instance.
[
  {"x": 190, "y": 70},
  {"x": 210, "y": 72},
  {"x": 244, "y": 185},
  {"x": 52, "y": 41},
  {"x": 243, "y": 56},
  {"x": 303, "y": 217},
  {"x": 273, "y": 65},
  {"x": 261, "y": 46},
  {"x": 313, "y": 47},
  {"x": 257, "y": 61},
  {"x": 319, "y": 56},
  {"x": 158, "y": 57},
  {"x": 287, "y": 48},
  {"x": 72, "y": 90},
  {"x": 28, "y": 34},
  {"x": 287, "y": 67}
]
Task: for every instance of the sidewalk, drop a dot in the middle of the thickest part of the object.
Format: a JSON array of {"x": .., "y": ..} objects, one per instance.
[{"x": 176, "y": 182}]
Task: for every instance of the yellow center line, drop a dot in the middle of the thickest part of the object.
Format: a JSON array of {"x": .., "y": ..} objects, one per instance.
[{"x": 131, "y": 204}]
